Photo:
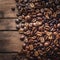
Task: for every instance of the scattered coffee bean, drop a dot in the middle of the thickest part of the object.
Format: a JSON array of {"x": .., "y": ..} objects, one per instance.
[{"x": 39, "y": 25}]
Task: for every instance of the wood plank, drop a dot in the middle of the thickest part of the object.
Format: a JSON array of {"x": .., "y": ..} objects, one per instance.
[
  {"x": 7, "y": 24},
  {"x": 10, "y": 41},
  {"x": 7, "y": 56},
  {"x": 5, "y": 8}
]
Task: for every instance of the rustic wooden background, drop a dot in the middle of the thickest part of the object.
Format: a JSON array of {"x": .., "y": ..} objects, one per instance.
[{"x": 10, "y": 43}]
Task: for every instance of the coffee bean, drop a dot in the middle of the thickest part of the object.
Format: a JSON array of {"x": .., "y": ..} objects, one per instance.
[
  {"x": 42, "y": 40},
  {"x": 22, "y": 37},
  {"x": 32, "y": 5},
  {"x": 18, "y": 27},
  {"x": 21, "y": 30},
  {"x": 36, "y": 53},
  {"x": 28, "y": 17},
  {"x": 17, "y": 21},
  {"x": 31, "y": 47},
  {"x": 46, "y": 43},
  {"x": 13, "y": 9},
  {"x": 39, "y": 26}
]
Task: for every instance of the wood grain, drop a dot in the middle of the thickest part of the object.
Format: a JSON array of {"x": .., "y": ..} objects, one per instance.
[
  {"x": 7, "y": 56},
  {"x": 10, "y": 41},
  {"x": 7, "y": 24},
  {"x": 5, "y": 8}
]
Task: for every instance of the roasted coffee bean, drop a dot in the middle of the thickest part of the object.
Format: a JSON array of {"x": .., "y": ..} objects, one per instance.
[
  {"x": 39, "y": 26},
  {"x": 32, "y": 5},
  {"x": 38, "y": 33},
  {"x": 25, "y": 1},
  {"x": 26, "y": 25},
  {"x": 58, "y": 25},
  {"x": 36, "y": 53},
  {"x": 18, "y": 14},
  {"x": 27, "y": 17},
  {"x": 31, "y": 47},
  {"x": 46, "y": 43},
  {"x": 25, "y": 28},
  {"x": 24, "y": 46},
  {"x": 17, "y": 21},
  {"x": 42, "y": 40},
  {"x": 19, "y": 7},
  {"x": 31, "y": 24},
  {"x": 39, "y": 15},
  {"x": 26, "y": 40},
  {"x": 18, "y": 27},
  {"x": 34, "y": 24},
  {"x": 38, "y": 23},
  {"x": 21, "y": 30},
  {"x": 22, "y": 37}
]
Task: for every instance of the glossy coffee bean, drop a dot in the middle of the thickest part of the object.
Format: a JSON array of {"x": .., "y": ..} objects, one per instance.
[
  {"x": 18, "y": 27},
  {"x": 22, "y": 37},
  {"x": 46, "y": 43},
  {"x": 17, "y": 21}
]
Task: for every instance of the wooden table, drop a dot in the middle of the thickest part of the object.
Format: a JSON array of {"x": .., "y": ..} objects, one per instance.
[{"x": 10, "y": 43}]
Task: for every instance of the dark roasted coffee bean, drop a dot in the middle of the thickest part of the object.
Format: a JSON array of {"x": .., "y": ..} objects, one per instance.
[
  {"x": 24, "y": 45},
  {"x": 18, "y": 15},
  {"x": 22, "y": 37},
  {"x": 58, "y": 25},
  {"x": 31, "y": 47},
  {"x": 25, "y": 1},
  {"x": 32, "y": 5},
  {"x": 13, "y": 9},
  {"x": 21, "y": 30},
  {"x": 42, "y": 39},
  {"x": 39, "y": 14},
  {"x": 39, "y": 28},
  {"x": 36, "y": 53},
  {"x": 46, "y": 43},
  {"x": 19, "y": 7},
  {"x": 28, "y": 17},
  {"x": 17, "y": 21},
  {"x": 18, "y": 27}
]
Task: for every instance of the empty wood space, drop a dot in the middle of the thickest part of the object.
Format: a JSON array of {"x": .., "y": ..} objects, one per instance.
[
  {"x": 7, "y": 24},
  {"x": 10, "y": 43},
  {"x": 5, "y": 9}
]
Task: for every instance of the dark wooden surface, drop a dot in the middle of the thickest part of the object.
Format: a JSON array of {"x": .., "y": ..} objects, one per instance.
[
  {"x": 5, "y": 9},
  {"x": 7, "y": 24},
  {"x": 7, "y": 56},
  {"x": 10, "y": 43}
]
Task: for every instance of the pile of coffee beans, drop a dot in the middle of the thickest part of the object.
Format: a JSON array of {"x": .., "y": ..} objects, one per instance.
[{"x": 38, "y": 24}]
